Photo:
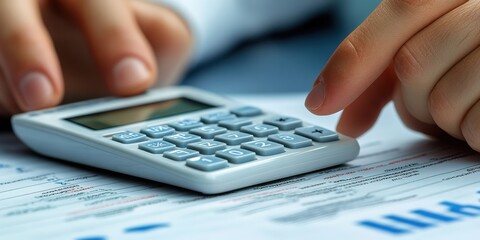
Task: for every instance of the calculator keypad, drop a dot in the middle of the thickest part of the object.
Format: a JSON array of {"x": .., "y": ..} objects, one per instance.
[
  {"x": 264, "y": 148},
  {"x": 234, "y": 124},
  {"x": 247, "y": 111},
  {"x": 207, "y": 163},
  {"x": 181, "y": 154},
  {"x": 129, "y": 137},
  {"x": 234, "y": 138},
  {"x": 208, "y": 132},
  {"x": 158, "y": 131},
  {"x": 290, "y": 140},
  {"x": 317, "y": 134},
  {"x": 186, "y": 125},
  {"x": 259, "y": 130},
  {"x": 236, "y": 155},
  {"x": 209, "y": 147},
  {"x": 217, "y": 117},
  {"x": 156, "y": 146},
  {"x": 284, "y": 123},
  {"x": 182, "y": 139}
]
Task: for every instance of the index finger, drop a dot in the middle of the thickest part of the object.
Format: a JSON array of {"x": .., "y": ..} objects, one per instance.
[{"x": 366, "y": 52}]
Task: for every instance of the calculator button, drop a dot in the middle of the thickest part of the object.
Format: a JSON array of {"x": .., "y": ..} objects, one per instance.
[
  {"x": 129, "y": 137},
  {"x": 185, "y": 125},
  {"x": 237, "y": 155},
  {"x": 317, "y": 134},
  {"x": 234, "y": 138},
  {"x": 181, "y": 154},
  {"x": 217, "y": 117},
  {"x": 284, "y": 123},
  {"x": 207, "y": 163},
  {"x": 182, "y": 139},
  {"x": 246, "y": 111},
  {"x": 234, "y": 124},
  {"x": 156, "y": 146},
  {"x": 259, "y": 130},
  {"x": 208, "y": 132},
  {"x": 290, "y": 140},
  {"x": 158, "y": 131},
  {"x": 264, "y": 148},
  {"x": 207, "y": 147}
]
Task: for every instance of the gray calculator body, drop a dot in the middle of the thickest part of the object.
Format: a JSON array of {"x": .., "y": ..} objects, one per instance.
[{"x": 184, "y": 137}]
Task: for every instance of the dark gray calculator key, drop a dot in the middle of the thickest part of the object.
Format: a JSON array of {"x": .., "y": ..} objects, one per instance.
[
  {"x": 317, "y": 134},
  {"x": 208, "y": 132},
  {"x": 290, "y": 140},
  {"x": 181, "y": 154},
  {"x": 182, "y": 139},
  {"x": 264, "y": 148},
  {"x": 284, "y": 123},
  {"x": 158, "y": 131},
  {"x": 128, "y": 137},
  {"x": 156, "y": 146},
  {"x": 234, "y": 124},
  {"x": 207, "y": 147},
  {"x": 234, "y": 138},
  {"x": 236, "y": 155},
  {"x": 207, "y": 163},
  {"x": 246, "y": 111},
  {"x": 217, "y": 117},
  {"x": 186, "y": 125},
  {"x": 259, "y": 130}
]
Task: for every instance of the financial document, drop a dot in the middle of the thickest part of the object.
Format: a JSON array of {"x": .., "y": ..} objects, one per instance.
[{"x": 402, "y": 186}]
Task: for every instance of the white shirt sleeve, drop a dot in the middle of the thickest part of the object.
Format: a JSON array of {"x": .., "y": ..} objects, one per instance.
[{"x": 217, "y": 25}]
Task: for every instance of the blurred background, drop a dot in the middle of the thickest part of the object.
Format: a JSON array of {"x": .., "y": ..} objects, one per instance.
[{"x": 284, "y": 61}]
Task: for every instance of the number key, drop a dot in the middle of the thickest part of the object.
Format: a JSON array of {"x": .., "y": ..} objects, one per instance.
[
  {"x": 234, "y": 138},
  {"x": 264, "y": 148},
  {"x": 291, "y": 140},
  {"x": 259, "y": 130}
]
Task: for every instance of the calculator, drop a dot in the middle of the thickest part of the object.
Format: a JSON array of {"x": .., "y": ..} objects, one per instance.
[{"x": 184, "y": 137}]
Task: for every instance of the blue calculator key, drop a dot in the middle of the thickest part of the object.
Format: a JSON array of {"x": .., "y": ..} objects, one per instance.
[
  {"x": 234, "y": 124},
  {"x": 185, "y": 125},
  {"x": 284, "y": 123},
  {"x": 207, "y": 147},
  {"x": 234, "y": 138},
  {"x": 181, "y": 154},
  {"x": 246, "y": 111},
  {"x": 128, "y": 137},
  {"x": 237, "y": 155},
  {"x": 217, "y": 117},
  {"x": 207, "y": 163},
  {"x": 182, "y": 139},
  {"x": 259, "y": 130},
  {"x": 158, "y": 131},
  {"x": 208, "y": 132},
  {"x": 264, "y": 148},
  {"x": 156, "y": 146},
  {"x": 317, "y": 134},
  {"x": 290, "y": 140}
]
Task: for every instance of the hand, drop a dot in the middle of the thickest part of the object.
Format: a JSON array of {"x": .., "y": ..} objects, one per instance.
[
  {"x": 85, "y": 48},
  {"x": 423, "y": 54}
]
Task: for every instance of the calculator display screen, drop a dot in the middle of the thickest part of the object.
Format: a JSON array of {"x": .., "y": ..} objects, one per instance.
[{"x": 151, "y": 111}]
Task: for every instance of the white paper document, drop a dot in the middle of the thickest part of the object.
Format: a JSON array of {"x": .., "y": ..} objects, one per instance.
[{"x": 402, "y": 186}]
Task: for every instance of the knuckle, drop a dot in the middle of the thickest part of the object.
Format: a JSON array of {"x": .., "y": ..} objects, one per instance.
[
  {"x": 353, "y": 47},
  {"x": 442, "y": 111},
  {"x": 470, "y": 130},
  {"x": 406, "y": 65},
  {"x": 21, "y": 37}
]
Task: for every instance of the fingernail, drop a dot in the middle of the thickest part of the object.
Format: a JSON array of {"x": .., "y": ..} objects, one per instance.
[
  {"x": 128, "y": 73},
  {"x": 317, "y": 95},
  {"x": 36, "y": 90}
]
